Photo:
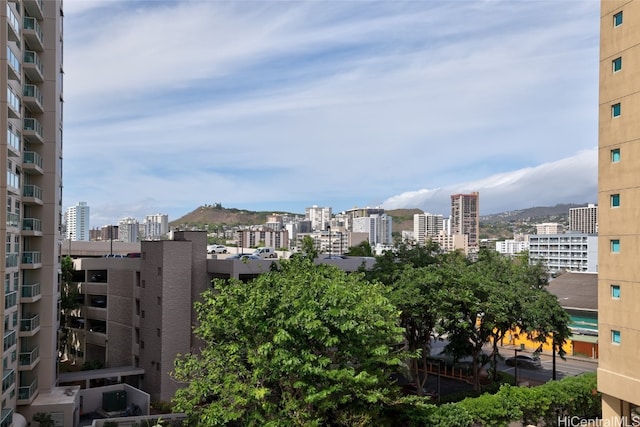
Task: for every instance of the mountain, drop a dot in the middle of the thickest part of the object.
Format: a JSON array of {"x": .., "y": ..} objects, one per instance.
[{"x": 216, "y": 214}]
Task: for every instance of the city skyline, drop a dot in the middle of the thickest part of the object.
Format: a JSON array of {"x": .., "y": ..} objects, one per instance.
[{"x": 283, "y": 105}]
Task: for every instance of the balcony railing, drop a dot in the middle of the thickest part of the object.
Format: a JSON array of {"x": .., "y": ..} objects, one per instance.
[
  {"x": 28, "y": 324},
  {"x": 34, "y": 8},
  {"x": 10, "y": 300},
  {"x": 32, "y": 191},
  {"x": 13, "y": 65},
  {"x": 30, "y": 357},
  {"x": 11, "y": 260},
  {"x": 27, "y": 392},
  {"x": 9, "y": 340},
  {"x": 8, "y": 379},
  {"x": 31, "y": 224},
  {"x": 32, "y": 66},
  {"x": 32, "y": 157},
  {"x": 32, "y": 130},
  {"x": 32, "y": 98},
  {"x": 6, "y": 417},
  {"x": 33, "y": 33},
  {"x": 14, "y": 25},
  {"x": 30, "y": 291},
  {"x": 32, "y": 257}
]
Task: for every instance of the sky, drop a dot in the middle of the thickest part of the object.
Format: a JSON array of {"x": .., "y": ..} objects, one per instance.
[{"x": 282, "y": 105}]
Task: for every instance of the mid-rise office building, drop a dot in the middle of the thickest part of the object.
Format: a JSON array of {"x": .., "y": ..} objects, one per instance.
[
  {"x": 426, "y": 226},
  {"x": 465, "y": 217},
  {"x": 584, "y": 219},
  {"x": 512, "y": 247},
  {"x": 31, "y": 192},
  {"x": 77, "y": 222},
  {"x": 619, "y": 204}
]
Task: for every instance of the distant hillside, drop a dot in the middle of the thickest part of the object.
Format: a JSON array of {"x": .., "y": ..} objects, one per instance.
[
  {"x": 531, "y": 213},
  {"x": 403, "y": 218},
  {"x": 218, "y": 215}
]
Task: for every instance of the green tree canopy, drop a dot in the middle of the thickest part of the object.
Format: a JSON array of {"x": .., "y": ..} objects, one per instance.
[{"x": 308, "y": 345}]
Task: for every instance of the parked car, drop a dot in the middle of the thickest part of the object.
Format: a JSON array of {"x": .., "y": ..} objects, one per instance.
[
  {"x": 336, "y": 257},
  {"x": 244, "y": 257},
  {"x": 264, "y": 252},
  {"x": 524, "y": 361},
  {"x": 217, "y": 249}
]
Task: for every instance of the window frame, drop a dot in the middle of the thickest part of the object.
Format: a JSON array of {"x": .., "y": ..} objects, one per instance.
[
  {"x": 615, "y": 200},
  {"x": 616, "y": 110},
  {"x": 615, "y": 155},
  {"x": 615, "y": 291},
  {"x": 616, "y": 64},
  {"x": 616, "y": 336},
  {"x": 618, "y": 19},
  {"x": 614, "y": 246}
]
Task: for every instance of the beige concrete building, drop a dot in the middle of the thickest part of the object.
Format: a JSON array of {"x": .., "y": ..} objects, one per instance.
[
  {"x": 30, "y": 224},
  {"x": 465, "y": 217},
  {"x": 619, "y": 204},
  {"x": 584, "y": 219}
]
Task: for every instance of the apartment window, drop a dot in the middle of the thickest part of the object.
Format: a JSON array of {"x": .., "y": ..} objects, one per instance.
[
  {"x": 615, "y": 200},
  {"x": 617, "y": 19},
  {"x": 141, "y": 344},
  {"x": 615, "y": 291},
  {"x": 158, "y": 332},
  {"x": 617, "y": 64},
  {"x": 615, "y": 337},
  {"x": 615, "y": 155},
  {"x": 159, "y": 301},
  {"x": 615, "y": 246},
  {"x": 615, "y": 110},
  {"x": 142, "y": 314}
]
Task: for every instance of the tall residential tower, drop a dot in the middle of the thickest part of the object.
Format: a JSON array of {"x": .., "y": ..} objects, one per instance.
[
  {"x": 465, "y": 217},
  {"x": 31, "y": 191},
  {"x": 76, "y": 219},
  {"x": 619, "y": 204}
]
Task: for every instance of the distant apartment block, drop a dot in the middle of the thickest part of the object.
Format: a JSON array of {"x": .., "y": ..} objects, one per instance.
[
  {"x": 320, "y": 217},
  {"x": 548, "y": 228},
  {"x": 263, "y": 236},
  {"x": 379, "y": 228},
  {"x": 584, "y": 220},
  {"x": 77, "y": 222},
  {"x": 426, "y": 226},
  {"x": 453, "y": 242},
  {"x": 128, "y": 230},
  {"x": 465, "y": 217},
  {"x": 156, "y": 226},
  {"x": 575, "y": 252},
  {"x": 350, "y": 215},
  {"x": 512, "y": 247}
]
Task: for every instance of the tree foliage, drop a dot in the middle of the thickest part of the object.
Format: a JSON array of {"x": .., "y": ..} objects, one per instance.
[{"x": 308, "y": 345}]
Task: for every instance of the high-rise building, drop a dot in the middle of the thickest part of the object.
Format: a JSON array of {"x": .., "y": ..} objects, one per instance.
[
  {"x": 128, "y": 230},
  {"x": 377, "y": 226},
  {"x": 426, "y": 226},
  {"x": 465, "y": 217},
  {"x": 584, "y": 219},
  {"x": 619, "y": 204},
  {"x": 156, "y": 226},
  {"x": 31, "y": 191},
  {"x": 77, "y": 221},
  {"x": 548, "y": 228},
  {"x": 320, "y": 217}
]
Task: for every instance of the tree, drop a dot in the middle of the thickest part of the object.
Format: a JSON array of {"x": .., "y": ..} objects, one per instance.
[
  {"x": 309, "y": 345},
  {"x": 44, "y": 419},
  {"x": 309, "y": 247},
  {"x": 361, "y": 249}
]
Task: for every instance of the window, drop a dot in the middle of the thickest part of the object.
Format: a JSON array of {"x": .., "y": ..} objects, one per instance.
[
  {"x": 615, "y": 291},
  {"x": 615, "y": 337},
  {"x": 615, "y": 200},
  {"x": 617, "y": 19},
  {"x": 615, "y": 246},
  {"x": 615, "y": 110},
  {"x": 615, "y": 155},
  {"x": 617, "y": 64},
  {"x": 158, "y": 332},
  {"x": 142, "y": 314},
  {"x": 159, "y": 301}
]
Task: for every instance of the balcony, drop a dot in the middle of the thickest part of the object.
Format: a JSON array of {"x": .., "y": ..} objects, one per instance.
[
  {"x": 32, "y": 98},
  {"x": 32, "y": 66},
  {"x": 32, "y": 33},
  {"x": 31, "y": 260},
  {"x": 8, "y": 379},
  {"x": 29, "y": 325},
  {"x": 14, "y": 25},
  {"x": 6, "y": 417},
  {"x": 11, "y": 260},
  {"x": 13, "y": 219},
  {"x": 13, "y": 65},
  {"x": 32, "y": 163},
  {"x": 30, "y": 293},
  {"x": 28, "y": 360},
  {"x": 32, "y": 130},
  {"x": 32, "y": 195},
  {"x": 34, "y": 8},
  {"x": 10, "y": 300},
  {"x": 31, "y": 227},
  {"x": 27, "y": 394}
]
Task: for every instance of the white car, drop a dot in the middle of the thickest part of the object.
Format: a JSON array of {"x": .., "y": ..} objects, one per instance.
[{"x": 217, "y": 249}]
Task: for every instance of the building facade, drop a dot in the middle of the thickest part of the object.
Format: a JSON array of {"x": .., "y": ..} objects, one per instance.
[
  {"x": 465, "y": 217},
  {"x": 377, "y": 226},
  {"x": 548, "y": 228},
  {"x": 31, "y": 191},
  {"x": 426, "y": 226},
  {"x": 577, "y": 252},
  {"x": 156, "y": 226},
  {"x": 618, "y": 226},
  {"x": 76, "y": 219},
  {"x": 584, "y": 220},
  {"x": 128, "y": 230},
  {"x": 320, "y": 217}
]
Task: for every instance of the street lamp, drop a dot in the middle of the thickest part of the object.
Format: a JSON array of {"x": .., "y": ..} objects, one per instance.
[
  {"x": 329, "y": 229},
  {"x": 515, "y": 371}
]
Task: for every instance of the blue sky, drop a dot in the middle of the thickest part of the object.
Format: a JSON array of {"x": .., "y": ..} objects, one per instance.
[{"x": 277, "y": 106}]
